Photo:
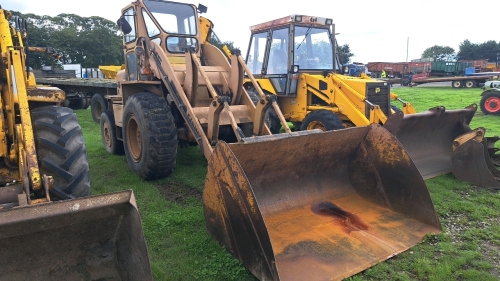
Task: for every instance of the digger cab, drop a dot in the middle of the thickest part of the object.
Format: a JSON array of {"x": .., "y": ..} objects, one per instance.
[{"x": 276, "y": 55}]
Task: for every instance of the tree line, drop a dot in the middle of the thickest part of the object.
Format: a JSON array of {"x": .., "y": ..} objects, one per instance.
[
  {"x": 89, "y": 41},
  {"x": 489, "y": 50}
]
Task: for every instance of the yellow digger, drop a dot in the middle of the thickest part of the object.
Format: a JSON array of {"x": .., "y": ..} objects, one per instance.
[
  {"x": 50, "y": 226},
  {"x": 308, "y": 205},
  {"x": 294, "y": 59}
]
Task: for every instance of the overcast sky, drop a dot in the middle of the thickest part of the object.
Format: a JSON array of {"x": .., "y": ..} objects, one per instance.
[{"x": 375, "y": 30}]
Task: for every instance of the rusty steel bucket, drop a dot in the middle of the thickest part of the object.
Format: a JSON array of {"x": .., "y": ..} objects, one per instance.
[
  {"x": 471, "y": 160},
  {"x": 428, "y": 136},
  {"x": 90, "y": 238},
  {"x": 315, "y": 205}
]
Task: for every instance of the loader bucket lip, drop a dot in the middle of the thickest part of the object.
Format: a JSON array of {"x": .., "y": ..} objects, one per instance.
[
  {"x": 55, "y": 208},
  {"x": 428, "y": 137},
  {"x": 316, "y": 206},
  {"x": 88, "y": 238}
]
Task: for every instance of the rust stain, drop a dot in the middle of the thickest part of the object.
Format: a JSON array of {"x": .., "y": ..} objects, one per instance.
[{"x": 348, "y": 221}]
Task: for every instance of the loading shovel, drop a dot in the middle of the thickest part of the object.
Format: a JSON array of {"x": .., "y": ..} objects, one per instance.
[
  {"x": 89, "y": 238},
  {"x": 315, "y": 205}
]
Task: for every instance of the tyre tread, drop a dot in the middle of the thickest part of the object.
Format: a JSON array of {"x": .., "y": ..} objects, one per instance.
[{"x": 61, "y": 149}]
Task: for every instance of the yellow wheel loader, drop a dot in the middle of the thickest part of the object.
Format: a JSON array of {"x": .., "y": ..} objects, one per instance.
[
  {"x": 50, "y": 228},
  {"x": 308, "y": 205},
  {"x": 294, "y": 59}
]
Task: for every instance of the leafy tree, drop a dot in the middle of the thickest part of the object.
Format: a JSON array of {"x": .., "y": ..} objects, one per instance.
[
  {"x": 439, "y": 53},
  {"x": 89, "y": 41},
  {"x": 344, "y": 54},
  {"x": 473, "y": 51}
]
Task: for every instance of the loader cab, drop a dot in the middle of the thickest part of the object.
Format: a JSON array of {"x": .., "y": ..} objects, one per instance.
[
  {"x": 171, "y": 25},
  {"x": 281, "y": 49}
]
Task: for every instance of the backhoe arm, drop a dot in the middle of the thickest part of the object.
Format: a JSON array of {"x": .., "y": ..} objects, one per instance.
[{"x": 407, "y": 107}]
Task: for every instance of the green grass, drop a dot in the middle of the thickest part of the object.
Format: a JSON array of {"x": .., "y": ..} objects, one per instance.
[{"x": 181, "y": 249}]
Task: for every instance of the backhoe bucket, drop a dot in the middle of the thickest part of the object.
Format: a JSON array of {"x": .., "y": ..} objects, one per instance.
[
  {"x": 315, "y": 205},
  {"x": 471, "y": 162},
  {"x": 428, "y": 137},
  {"x": 90, "y": 238}
]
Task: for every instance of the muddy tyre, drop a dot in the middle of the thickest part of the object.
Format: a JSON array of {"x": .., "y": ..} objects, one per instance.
[
  {"x": 85, "y": 100},
  {"x": 490, "y": 103},
  {"x": 108, "y": 134},
  {"x": 61, "y": 151},
  {"x": 321, "y": 119},
  {"x": 149, "y": 136},
  {"x": 271, "y": 119},
  {"x": 97, "y": 106},
  {"x": 76, "y": 102}
]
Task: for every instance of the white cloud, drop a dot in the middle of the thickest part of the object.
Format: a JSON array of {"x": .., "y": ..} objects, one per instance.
[{"x": 375, "y": 30}]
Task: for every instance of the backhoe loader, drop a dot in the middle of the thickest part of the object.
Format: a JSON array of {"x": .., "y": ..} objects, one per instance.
[
  {"x": 294, "y": 59},
  {"x": 291, "y": 206},
  {"x": 50, "y": 228}
]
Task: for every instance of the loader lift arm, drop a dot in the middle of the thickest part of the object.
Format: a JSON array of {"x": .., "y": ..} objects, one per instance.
[{"x": 15, "y": 72}]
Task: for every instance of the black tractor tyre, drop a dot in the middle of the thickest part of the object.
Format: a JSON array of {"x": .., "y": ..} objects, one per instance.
[
  {"x": 254, "y": 96},
  {"x": 108, "y": 134},
  {"x": 61, "y": 151},
  {"x": 321, "y": 119},
  {"x": 97, "y": 106},
  {"x": 76, "y": 102},
  {"x": 271, "y": 119},
  {"x": 85, "y": 100},
  {"x": 149, "y": 136},
  {"x": 490, "y": 103},
  {"x": 396, "y": 109}
]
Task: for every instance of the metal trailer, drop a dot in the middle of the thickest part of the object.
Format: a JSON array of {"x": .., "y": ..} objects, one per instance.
[
  {"x": 84, "y": 92},
  {"x": 456, "y": 81},
  {"x": 397, "y": 69},
  {"x": 447, "y": 68}
]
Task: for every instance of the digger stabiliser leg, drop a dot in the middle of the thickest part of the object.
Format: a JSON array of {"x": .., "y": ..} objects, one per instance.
[
  {"x": 407, "y": 107},
  {"x": 471, "y": 160},
  {"x": 377, "y": 116}
]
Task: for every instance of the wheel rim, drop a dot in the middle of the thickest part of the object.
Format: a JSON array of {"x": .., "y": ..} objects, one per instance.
[
  {"x": 107, "y": 135},
  {"x": 134, "y": 143},
  {"x": 456, "y": 84},
  {"x": 316, "y": 125},
  {"x": 469, "y": 84},
  {"x": 492, "y": 104}
]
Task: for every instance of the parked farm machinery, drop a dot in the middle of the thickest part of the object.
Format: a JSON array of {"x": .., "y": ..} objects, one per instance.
[
  {"x": 50, "y": 226},
  {"x": 177, "y": 88}
]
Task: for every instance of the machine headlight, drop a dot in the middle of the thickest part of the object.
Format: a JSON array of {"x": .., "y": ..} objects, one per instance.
[
  {"x": 298, "y": 18},
  {"x": 328, "y": 21}
]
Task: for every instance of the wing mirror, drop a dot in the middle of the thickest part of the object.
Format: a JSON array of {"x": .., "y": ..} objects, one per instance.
[
  {"x": 123, "y": 25},
  {"x": 202, "y": 9}
]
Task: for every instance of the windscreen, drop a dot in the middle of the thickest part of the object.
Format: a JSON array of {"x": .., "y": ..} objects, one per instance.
[
  {"x": 313, "y": 48},
  {"x": 174, "y": 18}
]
